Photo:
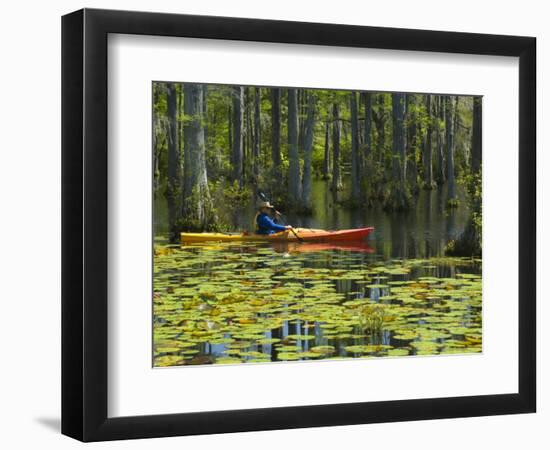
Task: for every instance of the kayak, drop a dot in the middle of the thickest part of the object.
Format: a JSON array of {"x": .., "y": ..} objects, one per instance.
[{"x": 304, "y": 235}]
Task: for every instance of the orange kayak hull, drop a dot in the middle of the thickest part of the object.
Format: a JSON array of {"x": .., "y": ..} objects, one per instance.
[{"x": 304, "y": 235}]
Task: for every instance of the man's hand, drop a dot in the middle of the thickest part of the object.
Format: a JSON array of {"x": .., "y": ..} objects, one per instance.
[{"x": 288, "y": 227}]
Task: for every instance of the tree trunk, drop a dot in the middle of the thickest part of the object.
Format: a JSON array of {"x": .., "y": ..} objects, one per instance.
[
  {"x": 182, "y": 143},
  {"x": 196, "y": 204},
  {"x": 174, "y": 162},
  {"x": 399, "y": 144},
  {"x": 355, "y": 170},
  {"x": 381, "y": 128},
  {"x": 276, "y": 132},
  {"x": 238, "y": 134},
  {"x": 428, "y": 168},
  {"x": 256, "y": 143},
  {"x": 456, "y": 120},
  {"x": 440, "y": 168},
  {"x": 248, "y": 161},
  {"x": 470, "y": 241},
  {"x": 449, "y": 141},
  {"x": 186, "y": 155},
  {"x": 367, "y": 167},
  {"x": 246, "y": 133},
  {"x": 326, "y": 158},
  {"x": 205, "y": 110},
  {"x": 157, "y": 146},
  {"x": 476, "y": 135},
  {"x": 301, "y": 96},
  {"x": 294, "y": 185},
  {"x": 336, "y": 182},
  {"x": 398, "y": 200},
  {"x": 368, "y": 125},
  {"x": 411, "y": 168},
  {"x": 230, "y": 131},
  {"x": 308, "y": 149}
]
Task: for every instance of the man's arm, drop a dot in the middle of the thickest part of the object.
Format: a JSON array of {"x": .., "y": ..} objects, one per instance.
[{"x": 268, "y": 223}]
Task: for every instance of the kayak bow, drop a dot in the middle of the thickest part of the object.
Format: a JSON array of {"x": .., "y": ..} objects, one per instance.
[{"x": 303, "y": 234}]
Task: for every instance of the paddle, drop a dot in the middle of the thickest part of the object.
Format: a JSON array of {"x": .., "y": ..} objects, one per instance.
[
  {"x": 296, "y": 234},
  {"x": 263, "y": 198}
]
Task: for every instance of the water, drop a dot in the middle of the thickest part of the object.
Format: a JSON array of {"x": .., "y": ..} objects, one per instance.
[
  {"x": 395, "y": 295},
  {"x": 422, "y": 232}
]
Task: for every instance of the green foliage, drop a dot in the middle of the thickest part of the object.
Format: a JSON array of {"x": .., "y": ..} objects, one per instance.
[
  {"x": 470, "y": 241},
  {"x": 371, "y": 318},
  {"x": 198, "y": 215},
  {"x": 452, "y": 203},
  {"x": 397, "y": 197},
  {"x": 473, "y": 185},
  {"x": 236, "y": 196}
]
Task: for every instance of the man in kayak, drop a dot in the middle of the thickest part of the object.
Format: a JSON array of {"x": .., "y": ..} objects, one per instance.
[{"x": 265, "y": 220}]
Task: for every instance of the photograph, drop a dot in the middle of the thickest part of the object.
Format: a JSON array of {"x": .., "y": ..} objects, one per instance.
[
  {"x": 262, "y": 225},
  {"x": 298, "y": 224}
]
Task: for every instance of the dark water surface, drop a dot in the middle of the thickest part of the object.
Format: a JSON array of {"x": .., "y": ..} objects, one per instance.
[{"x": 394, "y": 295}]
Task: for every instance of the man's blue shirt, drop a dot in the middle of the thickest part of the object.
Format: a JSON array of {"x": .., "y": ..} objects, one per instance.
[{"x": 266, "y": 225}]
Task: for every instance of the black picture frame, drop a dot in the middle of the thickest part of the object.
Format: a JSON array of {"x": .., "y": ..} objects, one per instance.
[{"x": 84, "y": 224}]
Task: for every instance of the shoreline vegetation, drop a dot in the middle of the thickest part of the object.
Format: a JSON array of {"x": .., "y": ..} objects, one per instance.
[{"x": 216, "y": 146}]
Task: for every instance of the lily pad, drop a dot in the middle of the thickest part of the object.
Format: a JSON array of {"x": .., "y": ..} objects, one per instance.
[
  {"x": 234, "y": 299},
  {"x": 323, "y": 349}
]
